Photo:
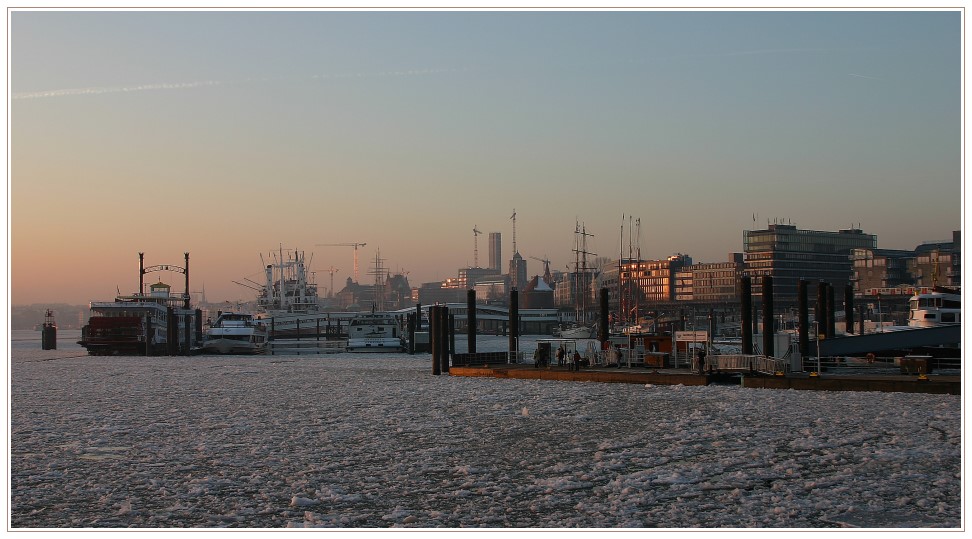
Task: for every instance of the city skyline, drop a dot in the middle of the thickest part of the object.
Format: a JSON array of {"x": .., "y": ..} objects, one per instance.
[{"x": 228, "y": 134}]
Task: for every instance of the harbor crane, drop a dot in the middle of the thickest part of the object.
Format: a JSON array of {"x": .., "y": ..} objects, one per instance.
[
  {"x": 355, "y": 245},
  {"x": 546, "y": 267},
  {"x": 476, "y": 234}
]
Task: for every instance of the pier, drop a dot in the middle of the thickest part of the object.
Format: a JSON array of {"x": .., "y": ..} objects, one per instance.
[{"x": 934, "y": 384}]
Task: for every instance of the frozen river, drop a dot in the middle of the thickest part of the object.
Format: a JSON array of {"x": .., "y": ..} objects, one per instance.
[{"x": 353, "y": 441}]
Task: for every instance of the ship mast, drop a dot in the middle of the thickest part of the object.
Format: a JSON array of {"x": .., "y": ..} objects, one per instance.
[{"x": 581, "y": 282}]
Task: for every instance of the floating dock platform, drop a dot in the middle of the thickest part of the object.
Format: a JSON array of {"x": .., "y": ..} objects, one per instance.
[{"x": 934, "y": 384}]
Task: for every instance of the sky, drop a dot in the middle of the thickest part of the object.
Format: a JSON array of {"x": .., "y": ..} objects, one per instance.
[{"x": 231, "y": 134}]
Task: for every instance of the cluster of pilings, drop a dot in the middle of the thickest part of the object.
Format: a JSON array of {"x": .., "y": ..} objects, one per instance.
[
  {"x": 824, "y": 314},
  {"x": 442, "y": 329},
  {"x": 191, "y": 327}
]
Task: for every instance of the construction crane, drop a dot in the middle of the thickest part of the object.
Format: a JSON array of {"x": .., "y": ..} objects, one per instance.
[
  {"x": 476, "y": 234},
  {"x": 355, "y": 245},
  {"x": 546, "y": 267}
]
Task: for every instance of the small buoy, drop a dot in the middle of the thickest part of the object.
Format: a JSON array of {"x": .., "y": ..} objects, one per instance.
[
  {"x": 779, "y": 373},
  {"x": 922, "y": 377},
  {"x": 814, "y": 374}
]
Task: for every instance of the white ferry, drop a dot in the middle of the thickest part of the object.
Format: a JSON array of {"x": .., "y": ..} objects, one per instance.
[
  {"x": 940, "y": 306},
  {"x": 375, "y": 332},
  {"x": 235, "y": 333}
]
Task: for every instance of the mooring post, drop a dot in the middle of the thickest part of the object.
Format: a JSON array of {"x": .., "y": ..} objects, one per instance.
[
  {"x": 769, "y": 329},
  {"x": 514, "y": 326},
  {"x": 449, "y": 337},
  {"x": 435, "y": 340},
  {"x": 471, "y": 327},
  {"x": 820, "y": 312},
  {"x": 603, "y": 330},
  {"x": 849, "y": 308},
  {"x": 804, "y": 317},
  {"x": 831, "y": 312},
  {"x": 746, "y": 311}
]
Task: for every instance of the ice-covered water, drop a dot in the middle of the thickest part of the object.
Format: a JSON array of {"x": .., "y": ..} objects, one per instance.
[{"x": 353, "y": 441}]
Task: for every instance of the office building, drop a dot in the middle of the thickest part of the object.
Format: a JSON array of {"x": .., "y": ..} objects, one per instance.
[{"x": 789, "y": 254}]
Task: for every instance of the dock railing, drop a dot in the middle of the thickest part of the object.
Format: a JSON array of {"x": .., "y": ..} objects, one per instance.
[{"x": 746, "y": 363}]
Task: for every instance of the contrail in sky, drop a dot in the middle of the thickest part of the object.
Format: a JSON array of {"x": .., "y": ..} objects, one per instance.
[
  {"x": 99, "y": 90},
  {"x": 863, "y": 76},
  {"x": 112, "y": 89}
]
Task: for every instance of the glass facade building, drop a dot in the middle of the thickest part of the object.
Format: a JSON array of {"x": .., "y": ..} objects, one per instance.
[{"x": 790, "y": 254}]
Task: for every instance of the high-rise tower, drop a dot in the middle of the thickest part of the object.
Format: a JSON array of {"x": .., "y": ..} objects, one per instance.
[{"x": 495, "y": 251}]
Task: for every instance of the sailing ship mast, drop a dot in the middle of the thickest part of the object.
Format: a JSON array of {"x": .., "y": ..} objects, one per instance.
[
  {"x": 379, "y": 273},
  {"x": 581, "y": 282}
]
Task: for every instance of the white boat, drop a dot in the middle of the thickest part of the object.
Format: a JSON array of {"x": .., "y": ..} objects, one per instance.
[
  {"x": 235, "y": 333},
  {"x": 287, "y": 300},
  {"x": 939, "y": 307},
  {"x": 578, "y": 332},
  {"x": 375, "y": 332}
]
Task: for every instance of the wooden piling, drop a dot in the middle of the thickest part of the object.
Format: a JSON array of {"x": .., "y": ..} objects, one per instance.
[
  {"x": 849, "y": 308},
  {"x": 514, "y": 322},
  {"x": 448, "y": 338},
  {"x": 804, "y": 319},
  {"x": 820, "y": 313},
  {"x": 602, "y": 330},
  {"x": 769, "y": 326},
  {"x": 746, "y": 310},
  {"x": 434, "y": 338},
  {"x": 831, "y": 312},
  {"x": 471, "y": 321}
]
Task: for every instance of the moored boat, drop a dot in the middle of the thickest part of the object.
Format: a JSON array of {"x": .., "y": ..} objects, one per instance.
[
  {"x": 287, "y": 301},
  {"x": 375, "y": 332},
  {"x": 940, "y": 306},
  {"x": 235, "y": 333},
  {"x": 578, "y": 332},
  {"x": 157, "y": 323}
]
